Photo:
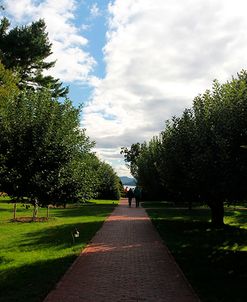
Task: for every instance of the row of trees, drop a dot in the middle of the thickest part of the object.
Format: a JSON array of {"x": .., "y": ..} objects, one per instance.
[
  {"x": 200, "y": 156},
  {"x": 45, "y": 156}
]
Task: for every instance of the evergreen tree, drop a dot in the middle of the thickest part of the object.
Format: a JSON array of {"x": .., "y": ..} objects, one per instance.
[{"x": 25, "y": 50}]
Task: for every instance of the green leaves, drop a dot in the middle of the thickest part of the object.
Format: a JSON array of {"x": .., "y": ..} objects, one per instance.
[
  {"x": 198, "y": 156},
  {"x": 108, "y": 182},
  {"x": 44, "y": 153},
  {"x": 41, "y": 139}
]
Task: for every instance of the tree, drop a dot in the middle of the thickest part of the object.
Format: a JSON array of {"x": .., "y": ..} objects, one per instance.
[
  {"x": 202, "y": 159},
  {"x": 78, "y": 180},
  {"x": 143, "y": 160},
  {"x": 220, "y": 117},
  {"x": 41, "y": 139},
  {"x": 175, "y": 165},
  {"x": 109, "y": 187},
  {"x": 121, "y": 189},
  {"x": 198, "y": 156},
  {"x": 131, "y": 156},
  {"x": 44, "y": 154},
  {"x": 148, "y": 170},
  {"x": 25, "y": 50},
  {"x": 8, "y": 91},
  {"x": 8, "y": 85}
]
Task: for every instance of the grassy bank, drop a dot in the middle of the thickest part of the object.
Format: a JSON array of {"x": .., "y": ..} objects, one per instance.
[
  {"x": 214, "y": 261},
  {"x": 33, "y": 256}
]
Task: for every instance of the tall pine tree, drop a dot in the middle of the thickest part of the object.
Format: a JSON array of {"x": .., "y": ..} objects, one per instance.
[{"x": 25, "y": 50}]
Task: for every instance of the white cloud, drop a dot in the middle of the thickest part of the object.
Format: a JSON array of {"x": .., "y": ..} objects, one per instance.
[
  {"x": 122, "y": 170},
  {"x": 94, "y": 10},
  {"x": 159, "y": 55},
  {"x": 73, "y": 62},
  {"x": 113, "y": 157}
]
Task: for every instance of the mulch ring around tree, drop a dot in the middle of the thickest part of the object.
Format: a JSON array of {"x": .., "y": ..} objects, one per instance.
[{"x": 30, "y": 219}]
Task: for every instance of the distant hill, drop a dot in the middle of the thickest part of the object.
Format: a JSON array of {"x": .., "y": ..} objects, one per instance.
[{"x": 128, "y": 181}]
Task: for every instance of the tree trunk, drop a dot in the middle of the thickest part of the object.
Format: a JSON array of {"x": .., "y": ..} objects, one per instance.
[
  {"x": 217, "y": 213},
  {"x": 14, "y": 210},
  {"x": 47, "y": 212},
  {"x": 35, "y": 209}
]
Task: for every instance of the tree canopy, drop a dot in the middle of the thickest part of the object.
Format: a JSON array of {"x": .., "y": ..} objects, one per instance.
[
  {"x": 198, "y": 156},
  {"x": 40, "y": 136},
  {"x": 45, "y": 156}
]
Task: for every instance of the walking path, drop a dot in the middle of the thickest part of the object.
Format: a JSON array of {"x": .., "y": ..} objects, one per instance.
[{"x": 126, "y": 261}]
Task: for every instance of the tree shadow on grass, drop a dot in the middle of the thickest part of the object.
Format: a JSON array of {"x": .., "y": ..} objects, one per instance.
[
  {"x": 31, "y": 283},
  {"x": 10, "y": 210},
  {"x": 61, "y": 236},
  {"x": 87, "y": 210},
  {"x": 214, "y": 260}
]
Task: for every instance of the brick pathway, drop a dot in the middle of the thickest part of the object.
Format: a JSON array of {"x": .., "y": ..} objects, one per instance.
[{"x": 126, "y": 261}]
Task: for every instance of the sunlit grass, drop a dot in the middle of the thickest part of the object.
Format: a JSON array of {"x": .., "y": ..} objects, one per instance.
[
  {"x": 34, "y": 255},
  {"x": 214, "y": 260},
  {"x": 95, "y": 201}
]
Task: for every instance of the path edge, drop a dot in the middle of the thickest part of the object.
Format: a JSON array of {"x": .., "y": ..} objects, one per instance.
[
  {"x": 174, "y": 260},
  {"x": 83, "y": 250}
]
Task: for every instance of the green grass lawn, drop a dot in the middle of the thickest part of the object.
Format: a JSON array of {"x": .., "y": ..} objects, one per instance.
[
  {"x": 34, "y": 255},
  {"x": 214, "y": 261}
]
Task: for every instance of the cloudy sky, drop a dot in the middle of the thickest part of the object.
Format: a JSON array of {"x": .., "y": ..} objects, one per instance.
[{"x": 136, "y": 63}]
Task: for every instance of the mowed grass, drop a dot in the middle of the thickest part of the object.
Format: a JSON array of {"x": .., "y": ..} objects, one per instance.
[
  {"x": 34, "y": 255},
  {"x": 213, "y": 260}
]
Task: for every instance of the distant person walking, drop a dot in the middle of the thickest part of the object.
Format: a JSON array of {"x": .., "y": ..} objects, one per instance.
[
  {"x": 138, "y": 195},
  {"x": 130, "y": 195}
]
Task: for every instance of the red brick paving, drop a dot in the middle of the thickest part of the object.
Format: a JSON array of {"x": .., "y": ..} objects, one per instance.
[{"x": 126, "y": 261}]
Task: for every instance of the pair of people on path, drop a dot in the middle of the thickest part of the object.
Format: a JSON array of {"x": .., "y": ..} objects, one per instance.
[{"x": 134, "y": 194}]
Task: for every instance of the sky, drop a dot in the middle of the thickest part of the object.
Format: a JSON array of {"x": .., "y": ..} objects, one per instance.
[{"x": 136, "y": 63}]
